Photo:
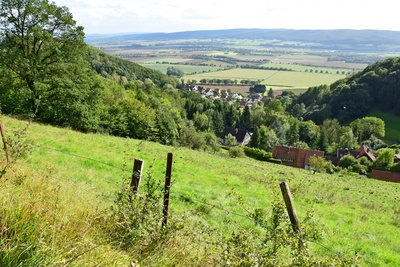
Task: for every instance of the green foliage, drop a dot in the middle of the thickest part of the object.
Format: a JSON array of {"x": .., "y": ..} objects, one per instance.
[
  {"x": 123, "y": 71},
  {"x": 236, "y": 152},
  {"x": 275, "y": 244},
  {"x": 366, "y": 127},
  {"x": 318, "y": 164},
  {"x": 258, "y": 88},
  {"x": 347, "y": 161},
  {"x": 175, "y": 72},
  {"x": 136, "y": 217},
  {"x": 38, "y": 39},
  {"x": 257, "y": 153},
  {"x": 230, "y": 140},
  {"x": 354, "y": 97},
  {"x": 385, "y": 159}
]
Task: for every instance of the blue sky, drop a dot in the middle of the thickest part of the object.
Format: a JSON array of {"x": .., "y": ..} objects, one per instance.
[{"x": 119, "y": 16}]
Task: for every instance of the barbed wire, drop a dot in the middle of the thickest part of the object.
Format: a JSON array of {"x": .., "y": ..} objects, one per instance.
[
  {"x": 194, "y": 199},
  {"x": 296, "y": 236}
]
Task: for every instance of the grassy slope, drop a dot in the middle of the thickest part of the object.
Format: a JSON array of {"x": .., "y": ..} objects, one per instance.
[
  {"x": 356, "y": 215},
  {"x": 392, "y": 125}
]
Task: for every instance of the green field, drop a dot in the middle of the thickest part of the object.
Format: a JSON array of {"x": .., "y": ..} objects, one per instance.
[
  {"x": 272, "y": 78},
  {"x": 55, "y": 195}
]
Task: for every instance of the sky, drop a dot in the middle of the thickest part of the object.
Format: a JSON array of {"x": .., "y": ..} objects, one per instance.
[{"x": 140, "y": 16}]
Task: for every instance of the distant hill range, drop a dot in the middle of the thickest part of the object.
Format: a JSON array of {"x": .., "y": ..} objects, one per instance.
[{"x": 355, "y": 40}]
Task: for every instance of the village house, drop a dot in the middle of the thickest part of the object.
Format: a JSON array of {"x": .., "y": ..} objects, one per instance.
[
  {"x": 362, "y": 151},
  {"x": 295, "y": 157},
  {"x": 242, "y": 136}
]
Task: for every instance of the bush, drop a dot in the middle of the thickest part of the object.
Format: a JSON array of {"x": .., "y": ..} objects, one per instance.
[
  {"x": 236, "y": 152},
  {"x": 258, "y": 154}
]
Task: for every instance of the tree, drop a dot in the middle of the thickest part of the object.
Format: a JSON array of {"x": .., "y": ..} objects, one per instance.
[
  {"x": 230, "y": 140},
  {"x": 365, "y": 127},
  {"x": 271, "y": 93},
  {"x": 347, "y": 139},
  {"x": 37, "y": 41},
  {"x": 317, "y": 164},
  {"x": 385, "y": 159},
  {"x": 255, "y": 138}
]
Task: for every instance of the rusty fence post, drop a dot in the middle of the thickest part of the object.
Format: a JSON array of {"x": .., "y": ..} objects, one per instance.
[
  {"x": 136, "y": 175},
  {"x": 3, "y": 136},
  {"x": 166, "y": 190},
  {"x": 287, "y": 196}
]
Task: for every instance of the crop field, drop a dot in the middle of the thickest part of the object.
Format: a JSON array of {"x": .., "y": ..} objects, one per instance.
[
  {"x": 185, "y": 68},
  {"x": 272, "y": 78}
]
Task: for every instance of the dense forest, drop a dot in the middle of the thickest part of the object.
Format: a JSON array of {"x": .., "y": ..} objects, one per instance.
[{"x": 54, "y": 77}]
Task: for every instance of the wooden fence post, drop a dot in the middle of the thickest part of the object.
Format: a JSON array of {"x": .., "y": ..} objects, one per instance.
[
  {"x": 287, "y": 196},
  {"x": 3, "y": 136},
  {"x": 166, "y": 190},
  {"x": 136, "y": 175}
]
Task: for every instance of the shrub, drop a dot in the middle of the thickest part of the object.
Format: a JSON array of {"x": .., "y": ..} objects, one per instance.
[
  {"x": 236, "y": 152},
  {"x": 258, "y": 154}
]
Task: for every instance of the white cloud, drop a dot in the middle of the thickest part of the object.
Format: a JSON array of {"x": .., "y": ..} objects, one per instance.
[{"x": 104, "y": 16}]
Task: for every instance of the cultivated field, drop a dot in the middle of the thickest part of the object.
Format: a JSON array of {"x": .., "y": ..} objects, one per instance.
[{"x": 204, "y": 59}]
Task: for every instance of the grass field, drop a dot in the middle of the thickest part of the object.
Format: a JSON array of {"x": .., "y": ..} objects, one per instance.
[{"x": 356, "y": 217}]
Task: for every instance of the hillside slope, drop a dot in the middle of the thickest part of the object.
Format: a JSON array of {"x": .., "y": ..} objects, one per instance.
[
  {"x": 377, "y": 86},
  {"x": 113, "y": 67},
  {"x": 210, "y": 194}
]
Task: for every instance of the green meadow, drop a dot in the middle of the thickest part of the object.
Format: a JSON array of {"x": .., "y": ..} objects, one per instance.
[{"x": 55, "y": 199}]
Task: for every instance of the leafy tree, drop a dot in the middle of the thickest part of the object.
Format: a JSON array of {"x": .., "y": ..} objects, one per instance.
[
  {"x": 317, "y": 164},
  {"x": 347, "y": 161},
  {"x": 385, "y": 159},
  {"x": 347, "y": 139},
  {"x": 173, "y": 71},
  {"x": 230, "y": 140},
  {"x": 258, "y": 88},
  {"x": 308, "y": 132},
  {"x": 268, "y": 138},
  {"x": 37, "y": 41},
  {"x": 365, "y": 127},
  {"x": 201, "y": 121}
]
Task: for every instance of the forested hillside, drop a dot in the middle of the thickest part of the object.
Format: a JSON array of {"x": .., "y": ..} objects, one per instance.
[{"x": 378, "y": 86}]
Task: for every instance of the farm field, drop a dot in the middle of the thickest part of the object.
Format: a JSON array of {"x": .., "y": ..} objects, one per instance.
[
  {"x": 204, "y": 59},
  {"x": 356, "y": 217},
  {"x": 272, "y": 78}
]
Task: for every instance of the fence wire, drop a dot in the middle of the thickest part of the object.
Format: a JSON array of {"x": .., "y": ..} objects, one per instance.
[{"x": 191, "y": 198}]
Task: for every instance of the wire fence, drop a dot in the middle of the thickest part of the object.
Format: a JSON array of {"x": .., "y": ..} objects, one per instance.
[{"x": 217, "y": 207}]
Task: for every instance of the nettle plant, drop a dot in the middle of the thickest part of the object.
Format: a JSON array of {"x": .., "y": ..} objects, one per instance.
[{"x": 273, "y": 242}]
